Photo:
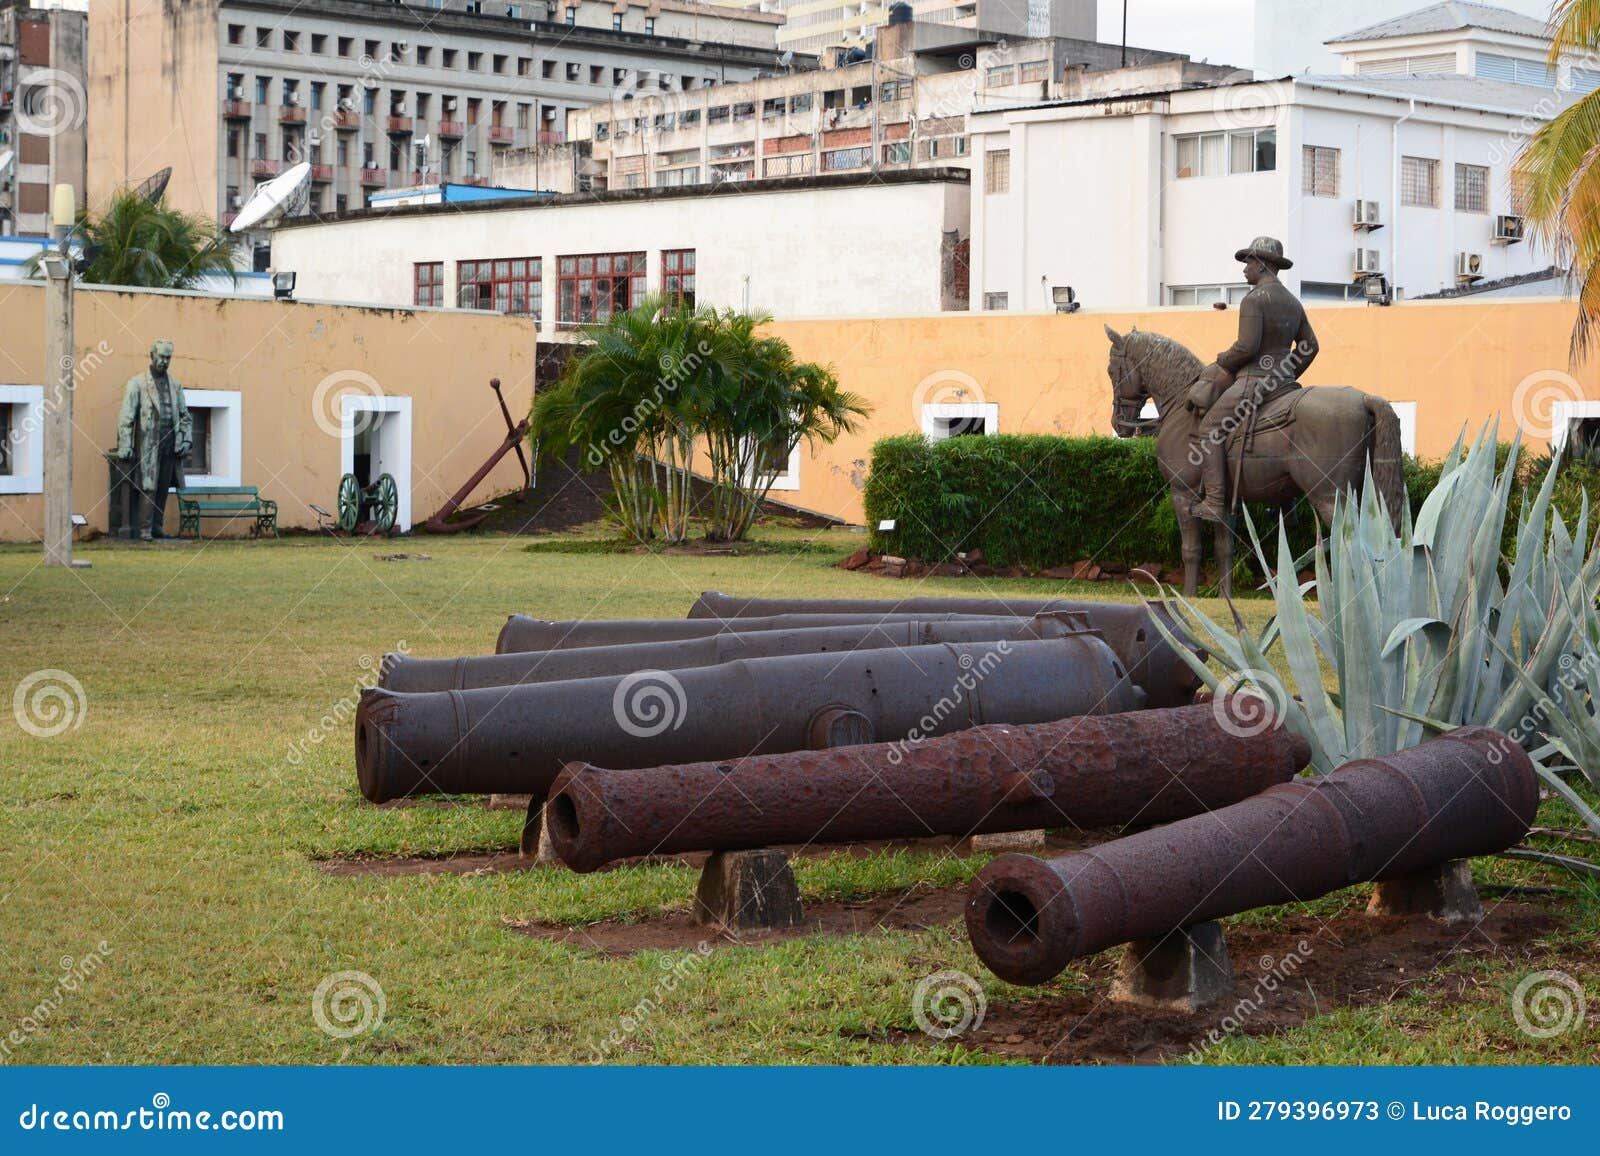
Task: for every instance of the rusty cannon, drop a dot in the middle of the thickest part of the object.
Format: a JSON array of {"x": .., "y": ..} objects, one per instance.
[
  {"x": 516, "y": 739},
  {"x": 1148, "y": 766},
  {"x": 524, "y": 633},
  {"x": 403, "y": 673},
  {"x": 1470, "y": 792},
  {"x": 1126, "y": 627}
]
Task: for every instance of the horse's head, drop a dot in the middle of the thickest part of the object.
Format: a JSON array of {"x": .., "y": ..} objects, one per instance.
[{"x": 1128, "y": 390}]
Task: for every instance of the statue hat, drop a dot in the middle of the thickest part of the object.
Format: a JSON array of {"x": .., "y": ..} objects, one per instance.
[{"x": 1268, "y": 250}]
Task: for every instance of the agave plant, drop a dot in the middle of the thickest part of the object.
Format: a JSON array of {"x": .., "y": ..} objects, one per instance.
[{"x": 1414, "y": 627}]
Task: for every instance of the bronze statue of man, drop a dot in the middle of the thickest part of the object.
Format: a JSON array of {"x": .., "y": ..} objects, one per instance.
[
  {"x": 155, "y": 424},
  {"x": 1275, "y": 346}
]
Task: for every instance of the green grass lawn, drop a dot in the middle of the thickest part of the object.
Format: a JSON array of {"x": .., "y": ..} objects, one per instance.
[{"x": 180, "y": 821}]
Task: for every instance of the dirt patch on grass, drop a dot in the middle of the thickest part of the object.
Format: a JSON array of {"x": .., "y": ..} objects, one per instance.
[
  {"x": 1310, "y": 965},
  {"x": 909, "y": 909},
  {"x": 457, "y": 863}
]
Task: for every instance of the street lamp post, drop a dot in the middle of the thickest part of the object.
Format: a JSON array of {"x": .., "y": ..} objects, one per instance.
[{"x": 59, "y": 360}]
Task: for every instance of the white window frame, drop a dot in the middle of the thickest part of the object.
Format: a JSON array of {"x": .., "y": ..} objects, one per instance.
[
  {"x": 353, "y": 403},
  {"x": 933, "y": 412},
  {"x": 1406, "y": 411},
  {"x": 226, "y": 432},
  {"x": 27, "y": 454},
  {"x": 1562, "y": 415}
]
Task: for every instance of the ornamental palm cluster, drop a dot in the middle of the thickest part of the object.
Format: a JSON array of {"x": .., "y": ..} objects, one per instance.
[
  {"x": 1403, "y": 633},
  {"x": 144, "y": 243},
  {"x": 660, "y": 390}
]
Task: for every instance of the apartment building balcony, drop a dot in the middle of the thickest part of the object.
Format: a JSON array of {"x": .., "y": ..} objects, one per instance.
[
  {"x": 501, "y": 134},
  {"x": 400, "y": 126},
  {"x": 322, "y": 174},
  {"x": 549, "y": 137},
  {"x": 372, "y": 177},
  {"x": 291, "y": 114},
  {"x": 236, "y": 110},
  {"x": 345, "y": 121},
  {"x": 261, "y": 167},
  {"x": 452, "y": 130}
]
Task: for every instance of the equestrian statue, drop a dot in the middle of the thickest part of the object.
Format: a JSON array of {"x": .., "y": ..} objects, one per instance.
[{"x": 1242, "y": 429}]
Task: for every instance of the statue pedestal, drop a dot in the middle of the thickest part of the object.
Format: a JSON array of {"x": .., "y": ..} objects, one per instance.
[{"x": 126, "y": 499}]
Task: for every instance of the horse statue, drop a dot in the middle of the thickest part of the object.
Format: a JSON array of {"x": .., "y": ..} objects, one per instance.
[{"x": 1316, "y": 442}]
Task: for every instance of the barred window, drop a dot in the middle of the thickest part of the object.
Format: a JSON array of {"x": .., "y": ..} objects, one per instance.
[
  {"x": 1472, "y": 189},
  {"x": 1419, "y": 182},
  {"x": 1320, "y": 171},
  {"x": 505, "y": 285},
  {"x": 997, "y": 171},
  {"x": 1032, "y": 70},
  {"x": 996, "y": 301},
  {"x": 999, "y": 76},
  {"x": 428, "y": 283}
]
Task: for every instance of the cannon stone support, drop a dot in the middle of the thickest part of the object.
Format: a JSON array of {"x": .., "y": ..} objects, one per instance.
[
  {"x": 1126, "y": 627},
  {"x": 515, "y": 739},
  {"x": 1147, "y": 766},
  {"x": 403, "y": 673},
  {"x": 1470, "y": 792}
]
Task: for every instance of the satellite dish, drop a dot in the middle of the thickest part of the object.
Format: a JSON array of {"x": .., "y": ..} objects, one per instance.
[
  {"x": 786, "y": 59},
  {"x": 153, "y": 186},
  {"x": 273, "y": 199},
  {"x": 7, "y": 156}
]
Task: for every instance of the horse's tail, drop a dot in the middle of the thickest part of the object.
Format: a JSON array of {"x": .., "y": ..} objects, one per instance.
[{"x": 1388, "y": 467}]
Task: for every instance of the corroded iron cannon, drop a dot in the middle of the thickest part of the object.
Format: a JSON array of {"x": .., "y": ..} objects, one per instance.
[
  {"x": 1126, "y": 627},
  {"x": 515, "y": 739},
  {"x": 411, "y": 675},
  {"x": 1471, "y": 792},
  {"x": 1148, "y": 766},
  {"x": 522, "y": 633}
]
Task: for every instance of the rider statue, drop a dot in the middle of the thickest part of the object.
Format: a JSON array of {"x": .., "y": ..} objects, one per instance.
[{"x": 1275, "y": 346}]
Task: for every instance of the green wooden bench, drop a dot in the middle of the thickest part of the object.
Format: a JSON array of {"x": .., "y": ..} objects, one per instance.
[{"x": 196, "y": 502}]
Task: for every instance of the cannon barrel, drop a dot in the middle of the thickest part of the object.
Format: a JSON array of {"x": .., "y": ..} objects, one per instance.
[
  {"x": 1126, "y": 627},
  {"x": 523, "y": 633},
  {"x": 1147, "y": 766},
  {"x": 1470, "y": 792},
  {"x": 403, "y": 673},
  {"x": 515, "y": 739}
]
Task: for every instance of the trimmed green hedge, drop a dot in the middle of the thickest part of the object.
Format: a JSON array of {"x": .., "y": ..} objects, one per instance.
[{"x": 1040, "y": 501}]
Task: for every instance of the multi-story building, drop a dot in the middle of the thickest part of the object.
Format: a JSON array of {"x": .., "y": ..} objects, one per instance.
[
  {"x": 816, "y": 25},
  {"x": 905, "y": 105},
  {"x": 42, "y": 109},
  {"x": 373, "y": 94},
  {"x": 1399, "y": 166}
]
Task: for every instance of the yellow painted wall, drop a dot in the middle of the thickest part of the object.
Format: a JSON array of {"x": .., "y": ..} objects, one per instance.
[
  {"x": 1460, "y": 361},
  {"x": 277, "y": 355},
  {"x": 154, "y": 98}
]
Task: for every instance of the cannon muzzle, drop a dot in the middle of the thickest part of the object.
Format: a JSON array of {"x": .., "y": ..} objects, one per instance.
[
  {"x": 514, "y": 739},
  {"x": 1471, "y": 792},
  {"x": 1146, "y": 766}
]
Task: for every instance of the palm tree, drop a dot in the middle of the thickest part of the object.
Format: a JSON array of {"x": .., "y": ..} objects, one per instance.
[
  {"x": 136, "y": 241},
  {"x": 1558, "y": 177}
]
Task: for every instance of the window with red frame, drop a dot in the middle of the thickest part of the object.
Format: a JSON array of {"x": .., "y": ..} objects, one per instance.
[
  {"x": 506, "y": 285},
  {"x": 592, "y": 287},
  {"x": 677, "y": 276},
  {"x": 428, "y": 283}
]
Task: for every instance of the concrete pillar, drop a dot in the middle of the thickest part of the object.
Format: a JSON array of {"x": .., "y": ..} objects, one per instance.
[{"x": 58, "y": 411}]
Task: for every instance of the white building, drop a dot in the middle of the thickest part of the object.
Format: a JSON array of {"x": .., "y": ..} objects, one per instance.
[
  {"x": 871, "y": 244},
  {"x": 1298, "y": 36},
  {"x": 1142, "y": 200},
  {"x": 815, "y": 25}
]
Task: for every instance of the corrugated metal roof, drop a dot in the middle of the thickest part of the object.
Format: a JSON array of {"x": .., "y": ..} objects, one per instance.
[
  {"x": 1451, "y": 89},
  {"x": 1451, "y": 16}
]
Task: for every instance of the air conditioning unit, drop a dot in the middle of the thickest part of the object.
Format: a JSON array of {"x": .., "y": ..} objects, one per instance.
[
  {"x": 1507, "y": 229},
  {"x": 235, "y": 201},
  {"x": 1367, "y": 215},
  {"x": 1469, "y": 266},
  {"x": 403, "y": 45},
  {"x": 237, "y": 93},
  {"x": 347, "y": 105},
  {"x": 449, "y": 104},
  {"x": 313, "y": 137},
  {"x": 292, "y": 100},
  {"x": 1367, "y": 262}
]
